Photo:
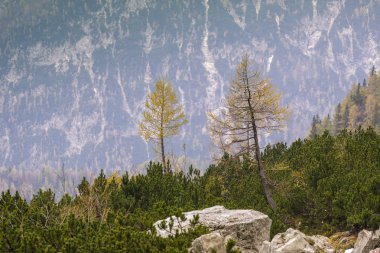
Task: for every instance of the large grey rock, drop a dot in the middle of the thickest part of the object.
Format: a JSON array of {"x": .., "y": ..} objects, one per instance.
[
  {"x": 294, "y": 241},
  {"x": 375, "y": 250},
  {"x": 367, "y": 241},
  {"x": 248, "y": 228}
]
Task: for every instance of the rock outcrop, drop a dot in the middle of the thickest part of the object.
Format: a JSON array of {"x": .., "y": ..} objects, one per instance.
[
  {"x": 213, "y": 242},
  {"x": 248, "y": 228},
  {"x": 367, "y": 241},
  {"x": 294, "y": 241}
]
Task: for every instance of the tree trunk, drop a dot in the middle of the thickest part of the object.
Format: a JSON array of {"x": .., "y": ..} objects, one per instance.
[
  {"x": 163, "y": 154},
  {"x": 263, "y": 179},
  {"x": 162, "y": 136}
]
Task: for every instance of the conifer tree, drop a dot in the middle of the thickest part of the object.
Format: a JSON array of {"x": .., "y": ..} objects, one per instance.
[
  {"x": 338, "y": 119},
  {"x": 346, "y": 115},
  {"x": 326, "y": 124},
  {"x": 315, "y": 123},
  {"x": 373, "y": 70},
  {"x": 370, "y": 109},
  {"x": 163, "y": 116},
  {"x": 357, "y": 96},
  {"x": 252, "y": 106},
  {"x": 376, "y": 117},
  {"x": 84, "y": 187},
  {"x": 354, "y": 117}
]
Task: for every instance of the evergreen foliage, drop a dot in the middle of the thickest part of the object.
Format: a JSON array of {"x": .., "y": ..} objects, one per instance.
[
  {"x": 335, "y": 180},
  {"x": 359, "y": 108},
  {"x": 321, "y": 185}
]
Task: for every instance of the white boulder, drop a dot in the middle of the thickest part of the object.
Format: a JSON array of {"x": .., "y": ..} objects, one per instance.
[
  {"x": 294, "y": 241},
  {"x": 367, "y": 241},
  {"x": 209, "y": 243},
  {"x": 248, "y": 228}
]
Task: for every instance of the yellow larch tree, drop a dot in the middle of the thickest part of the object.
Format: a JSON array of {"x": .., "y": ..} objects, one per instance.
[
  {"x": 252, "y": 107},
  {"x": 163, "y": 116}
]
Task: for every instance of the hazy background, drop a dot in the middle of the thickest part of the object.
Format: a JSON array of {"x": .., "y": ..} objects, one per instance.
[{"x": 74, "y": 75}]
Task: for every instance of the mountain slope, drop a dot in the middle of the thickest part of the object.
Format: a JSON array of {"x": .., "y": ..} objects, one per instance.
[{"x": 74, "y": 74}]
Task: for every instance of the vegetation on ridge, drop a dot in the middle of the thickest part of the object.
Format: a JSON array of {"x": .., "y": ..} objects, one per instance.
[
  {"x": 361, "y": 107},
  {"x": 324, "y": 184}
]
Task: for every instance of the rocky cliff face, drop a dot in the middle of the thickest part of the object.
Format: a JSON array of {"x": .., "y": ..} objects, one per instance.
[{"x": 74, "y": 74}]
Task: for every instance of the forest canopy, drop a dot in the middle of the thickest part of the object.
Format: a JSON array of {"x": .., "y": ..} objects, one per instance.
[{"x": 361, "y": 107}]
